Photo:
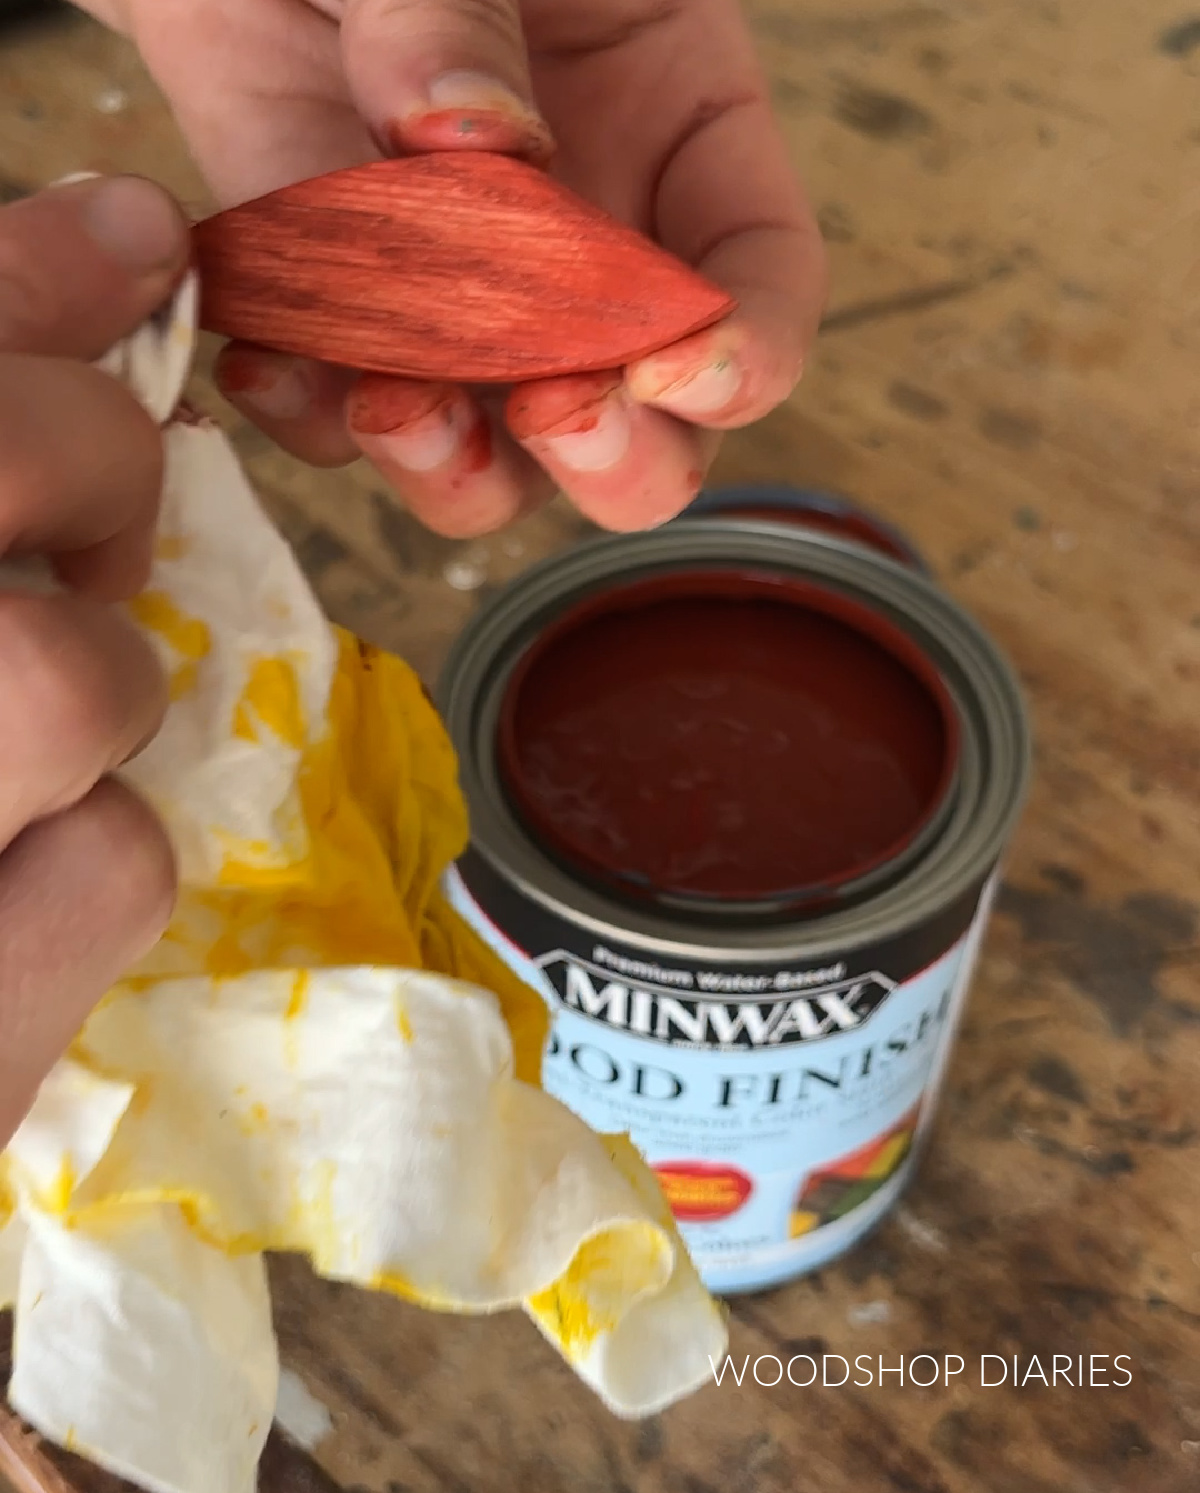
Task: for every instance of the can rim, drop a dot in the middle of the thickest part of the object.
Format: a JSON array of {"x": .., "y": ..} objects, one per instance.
[
  {"x": 995, "y": 762},
  {"x": 742, "y": 501}
]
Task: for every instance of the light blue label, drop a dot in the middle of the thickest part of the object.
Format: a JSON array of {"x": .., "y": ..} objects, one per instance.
[{"x": 781, "y": 1109}]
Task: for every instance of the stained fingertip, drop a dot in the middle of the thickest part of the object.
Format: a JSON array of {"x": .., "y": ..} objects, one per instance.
[
  {"x": 640, "y": 506},
  {"x": 560, "y": 406},
  {"x": 706, "y": 393},
  {"x": 720, "y": 378},
  {"x": 694, "y": 383},
  {"x": 476, "y": 129},
  {"x": 298, "y": 403},
  {"x": 436, "y": 446},
  {"x": 465, "y": 510},
  {"x": 624, "y": 466},
  {"x": 379, "y": 404},
  {"x": 266, "y": 384},
  {"x": 417, "y": 427},
  {"x": 467, "y": 110}
]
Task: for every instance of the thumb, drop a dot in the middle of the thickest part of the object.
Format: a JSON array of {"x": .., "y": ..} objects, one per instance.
[
  {"x": 443, "y": 75},
  {"x": 84, "y": 264}
]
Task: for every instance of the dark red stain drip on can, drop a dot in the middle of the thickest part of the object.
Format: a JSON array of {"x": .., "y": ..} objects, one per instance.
[{"x": 728, "y": 736}]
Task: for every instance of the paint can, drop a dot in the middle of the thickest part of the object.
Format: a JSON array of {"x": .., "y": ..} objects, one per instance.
[
  {"x": 811, "y": 508},
  {"x": 755, "y": 952}
]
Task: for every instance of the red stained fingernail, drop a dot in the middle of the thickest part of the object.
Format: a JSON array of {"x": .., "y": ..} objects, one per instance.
[
  {"x": 378, "y": 404},
  {"x": 470, "y": 111},
  {"x": 696, "y": 379},
  {"x": 597, "y": 443},
  {"x": 582, "y": 424},
  {"x": 476, "y": 129},
  {"x": 264, "y": 383},
  {"x": 541, "y": 409},
  {"x": 708, "y": 391},
  {"x": 420, "y": 427}
]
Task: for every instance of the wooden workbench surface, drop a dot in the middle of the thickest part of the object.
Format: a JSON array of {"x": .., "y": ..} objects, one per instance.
[{"x": 1011, "y": 370}]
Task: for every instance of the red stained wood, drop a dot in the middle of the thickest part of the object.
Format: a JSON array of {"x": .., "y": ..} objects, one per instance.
[{"x": 463, "y": 266}]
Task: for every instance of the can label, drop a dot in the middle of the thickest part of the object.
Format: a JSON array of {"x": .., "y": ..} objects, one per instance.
[{"x": 781, "y": 1109}]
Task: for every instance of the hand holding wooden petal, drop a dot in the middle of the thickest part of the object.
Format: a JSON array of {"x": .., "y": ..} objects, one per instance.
[{"x": 466, "y": 267}]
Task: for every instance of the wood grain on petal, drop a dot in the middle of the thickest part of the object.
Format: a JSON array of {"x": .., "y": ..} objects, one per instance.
[{"x": 465, "y": 266}]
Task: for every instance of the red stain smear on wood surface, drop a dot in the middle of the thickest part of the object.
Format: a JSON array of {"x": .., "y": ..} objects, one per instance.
[{"x": 463, "y": 266}]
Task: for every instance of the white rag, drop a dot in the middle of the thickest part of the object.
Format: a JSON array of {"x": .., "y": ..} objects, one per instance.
[{"x": 283, "y": 1072}]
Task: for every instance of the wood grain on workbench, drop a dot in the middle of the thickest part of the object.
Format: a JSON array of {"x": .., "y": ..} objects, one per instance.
[{"x": 1011, "y": 370}]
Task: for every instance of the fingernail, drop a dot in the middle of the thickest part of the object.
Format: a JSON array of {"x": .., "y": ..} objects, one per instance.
[
  {"x": 595, "y": 440},
  {"x": 264, "y": 384},
  {"x": 707, "y": 391},
  {"x": 425, "y": 446},
  {"x": 471, "y": 110},
  {"x": 468, "y": 91},
  {"x": 418, "y": 429},
  {"x": 135, "y": 223}
]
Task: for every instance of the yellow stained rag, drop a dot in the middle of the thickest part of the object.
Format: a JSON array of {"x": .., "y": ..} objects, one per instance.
[{"x": 318, "y": 1056}]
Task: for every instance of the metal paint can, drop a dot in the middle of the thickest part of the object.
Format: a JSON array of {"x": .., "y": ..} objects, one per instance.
[
  {"x": 778, "y": 1066},
  {"x": 812, "y": 508}
]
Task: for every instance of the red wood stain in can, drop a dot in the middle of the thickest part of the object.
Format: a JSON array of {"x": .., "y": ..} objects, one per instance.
[{"x": 733, "y": 736}]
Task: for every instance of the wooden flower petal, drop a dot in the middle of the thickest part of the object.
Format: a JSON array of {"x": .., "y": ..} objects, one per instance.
[{"x": 461, "y": 266}]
